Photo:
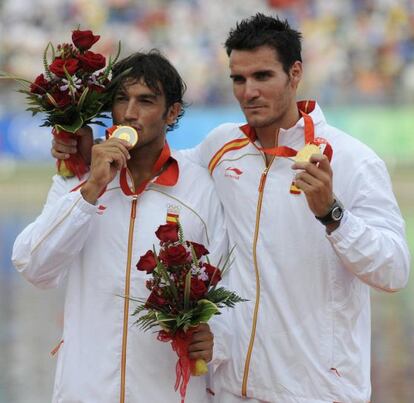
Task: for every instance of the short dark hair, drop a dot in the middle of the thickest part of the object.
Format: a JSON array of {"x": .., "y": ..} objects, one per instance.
[
  {"x": 262, "y": 30},
  {"x": 157, "y": 73}
]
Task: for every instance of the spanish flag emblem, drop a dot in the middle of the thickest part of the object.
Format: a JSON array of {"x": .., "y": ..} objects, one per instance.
[{"x": 173, "y": 214}]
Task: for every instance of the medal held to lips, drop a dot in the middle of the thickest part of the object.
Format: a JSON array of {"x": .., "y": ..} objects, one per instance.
[{"x": 126, "y": 133}]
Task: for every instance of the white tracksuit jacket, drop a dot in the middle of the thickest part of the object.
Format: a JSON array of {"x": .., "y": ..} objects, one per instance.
[
  {"x": 304, "y": 336},
  {"x": 96, "y": 248}
]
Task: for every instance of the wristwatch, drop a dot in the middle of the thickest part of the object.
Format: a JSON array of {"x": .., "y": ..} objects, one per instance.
[{"x": 335, "y": 214}]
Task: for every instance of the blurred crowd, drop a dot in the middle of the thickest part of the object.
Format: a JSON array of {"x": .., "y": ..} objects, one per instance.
[{"x": 355, "y": 51}]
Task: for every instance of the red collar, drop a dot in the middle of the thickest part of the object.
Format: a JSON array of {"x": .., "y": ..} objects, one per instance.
[
  {"x": 168, "y": 177},
  {"x": 305, "y": 107}
]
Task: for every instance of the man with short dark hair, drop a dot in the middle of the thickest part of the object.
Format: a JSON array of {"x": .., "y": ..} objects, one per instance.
[
  {"x": 308, "y": 251},
  {"x": 93, "y": 235}
]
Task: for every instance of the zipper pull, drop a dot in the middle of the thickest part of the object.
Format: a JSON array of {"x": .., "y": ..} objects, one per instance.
[
  {"x": 56, "y": 349},
  {"x": 263, "y": 179},
  {"x": 134, "y": 206}
]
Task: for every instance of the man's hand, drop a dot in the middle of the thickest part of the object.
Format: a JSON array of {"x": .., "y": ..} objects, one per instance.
[
  {"x": 315, "y": 180},
  {"x": 62, "y": 149},
  {"x": 107, "y": 159},
  {"x": 202, "y": 343}
]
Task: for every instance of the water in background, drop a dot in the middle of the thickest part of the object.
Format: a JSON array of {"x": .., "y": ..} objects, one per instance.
[{"x": 30, "y": 321}]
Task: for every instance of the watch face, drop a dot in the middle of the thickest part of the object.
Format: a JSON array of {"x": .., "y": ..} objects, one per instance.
[{"x": 337, "y": 213}]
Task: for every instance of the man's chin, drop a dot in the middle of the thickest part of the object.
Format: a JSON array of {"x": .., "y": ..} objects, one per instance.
[{"x": 257, "y": 123}]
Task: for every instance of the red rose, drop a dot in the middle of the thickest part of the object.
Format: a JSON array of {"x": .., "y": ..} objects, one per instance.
[
  {"x": 149, "y": 284},
  {"x": 71, "y": 66},
  {"x": 62, "y": 99},
  {"x": 83, "y": 40},
  {"x": 40, "y": 85},
  {"x": 199, "y": 249},
  {"x": 155, "y": 299},
  {"x": 147, "y": 262},
  {"x": 92, "y": 61},
  {"x": 198, "y": 289},
  {"x": 174, "y": 255},
  {"x": 167, "y": 233},
  {"x": 96, "y": 88},
  {"x": 213, "y": 273}
]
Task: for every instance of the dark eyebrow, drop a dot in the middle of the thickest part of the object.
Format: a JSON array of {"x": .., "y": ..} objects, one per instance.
[
  {"x": 150, "y": 97},
  {"x": 263, "y": 72},
  {"x": 143, "y": 97}
]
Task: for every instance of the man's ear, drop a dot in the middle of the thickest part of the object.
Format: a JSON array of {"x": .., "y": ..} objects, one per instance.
[
  {"x": 173, "y": 112},
  {"x": 295, "y": 73}
]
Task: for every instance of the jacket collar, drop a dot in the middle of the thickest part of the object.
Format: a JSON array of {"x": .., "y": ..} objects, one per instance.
[
  {"x": 310, "y": 107},
  {"x": 165, "y": 171}
]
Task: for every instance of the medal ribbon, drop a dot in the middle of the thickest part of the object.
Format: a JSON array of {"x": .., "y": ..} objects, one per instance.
[
  {"x": 284, "y": 151},
  {"x": 309, "y": 134},
  {"x": 168, "y": 177}
]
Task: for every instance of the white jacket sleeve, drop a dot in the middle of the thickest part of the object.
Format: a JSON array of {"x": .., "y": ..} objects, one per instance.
[
  {"x": 45, "y": 249},
  {"x": 203, "y": 152},
  {"x": 195, "y": 155},
  {"x": 371, "y": 240}
]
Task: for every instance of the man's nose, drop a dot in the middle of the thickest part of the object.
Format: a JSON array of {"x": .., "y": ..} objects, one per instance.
[
  {"x": 131, "y": 112},
  {"x": 251, "y": 90}
]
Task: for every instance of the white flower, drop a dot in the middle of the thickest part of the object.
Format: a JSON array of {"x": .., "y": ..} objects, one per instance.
[
  {"x": 93, "y": 80},
  {"x": 202, "y": 275},
  {"x": 76, "y": 82}
]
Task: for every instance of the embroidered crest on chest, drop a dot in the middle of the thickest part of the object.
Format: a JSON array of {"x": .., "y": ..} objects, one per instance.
[{"x": 173, "y": 214}]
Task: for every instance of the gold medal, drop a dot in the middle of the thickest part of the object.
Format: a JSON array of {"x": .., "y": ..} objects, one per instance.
[
  {"x": 304, "y": 154},
  {"x": 126, "y": 133}
]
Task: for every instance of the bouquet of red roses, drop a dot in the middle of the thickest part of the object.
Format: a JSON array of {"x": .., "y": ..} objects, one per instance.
[
  {"x": 184, "y": 292},
  {"x": 71, "y": 92}
]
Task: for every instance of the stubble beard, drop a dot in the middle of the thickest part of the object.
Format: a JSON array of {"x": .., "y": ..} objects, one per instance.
[
  {"x": 262, "y": 123},
  {"x": 279, "y": 113}
]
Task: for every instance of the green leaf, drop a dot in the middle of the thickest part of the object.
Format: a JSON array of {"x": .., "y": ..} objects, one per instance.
[
  {"x": 147, "y": 321},
  {"x": 108, "y": 69},
  {"x": 45, "y": 61},
  {"x": 96, "y": 122},
  {"x": 180, "y": 233},
  {"x": 111, "y": 62},
  {"x": 205, "y": 310},
  {"x": 163, "y": 273},
  {"x": 52, "y": 100},
  {"x": 194, "y": 256},
  {"x": 72, "y": 127},
  {"x": 82, "y": 98},
  {"x": 229, "y": 261},
  {"x": 117, "y": 53},
  {"x": 165, "y": 321},
  {"x": 34, "y": 111},
  {"x": 222, "y": 297},
  {"x": 187, "y": 290}
]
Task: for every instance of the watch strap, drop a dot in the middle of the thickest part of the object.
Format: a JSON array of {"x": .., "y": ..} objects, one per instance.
[{"x": 334, "y": 215}]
